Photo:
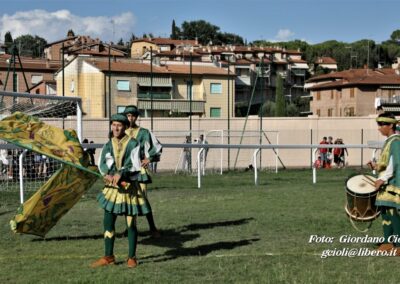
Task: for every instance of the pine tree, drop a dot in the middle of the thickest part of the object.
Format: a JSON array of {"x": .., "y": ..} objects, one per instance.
[{"x": 174, "y": 31}]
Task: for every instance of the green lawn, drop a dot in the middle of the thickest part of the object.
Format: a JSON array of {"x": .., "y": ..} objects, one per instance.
[{"x": 229, "y": 231}]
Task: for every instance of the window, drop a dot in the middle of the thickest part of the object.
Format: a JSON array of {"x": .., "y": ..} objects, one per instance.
[
  {"x": 330, "y": 112},
  {"x": 318, "y": 95},
  {"x": 120, "y": 109},
  {"x": 352, "y": 93},
  {"x": 332, "y": 95},
  {"x": 123, "y": 85},
  {"x": 215, "y": 112},
  {"x": 351, "y": 111},
  {"x": 36, "y": 78},
  {"x": 318, "y": 112},
  {"x": 216, "y": 88}
]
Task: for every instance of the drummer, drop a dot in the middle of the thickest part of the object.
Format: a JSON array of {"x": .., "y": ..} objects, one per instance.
[{"x": 388, "y": 182}]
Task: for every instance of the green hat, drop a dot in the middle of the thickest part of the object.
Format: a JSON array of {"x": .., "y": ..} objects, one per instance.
[
  {"x": 132, "y": 110},
  {"x": 120, "y": 118}
]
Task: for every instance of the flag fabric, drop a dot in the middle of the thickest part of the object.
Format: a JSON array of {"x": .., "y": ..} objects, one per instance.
[
  {"x": 53, "y": 200},
  {"x": 30, "y": 133},
  {"x": 66, "y": 186}
]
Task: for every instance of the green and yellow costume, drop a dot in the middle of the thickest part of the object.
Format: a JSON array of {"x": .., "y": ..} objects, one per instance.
[
  {"x": 150, "y": 148},
  {"x": 388, "y": 198},
  {"x": 121, "y": 157}
]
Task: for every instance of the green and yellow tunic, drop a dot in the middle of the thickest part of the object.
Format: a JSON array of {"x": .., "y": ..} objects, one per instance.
[
  {"x": 388, "y": 168},
  {"x": 122, "y": 157},
  {"x": 150, "y": 148}
]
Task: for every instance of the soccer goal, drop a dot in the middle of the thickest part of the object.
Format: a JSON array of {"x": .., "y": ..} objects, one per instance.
[{"x": 25, "y": 170}]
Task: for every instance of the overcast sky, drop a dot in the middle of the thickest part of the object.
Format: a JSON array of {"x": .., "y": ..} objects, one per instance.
[{"x": 275, "y": 20}]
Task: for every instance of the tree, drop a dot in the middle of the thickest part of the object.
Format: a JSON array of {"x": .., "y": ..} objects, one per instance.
[
  {"x": 120, "y": 42},
  {"x": 202, "y": 30},
  {"x": 229, "y": 38},
  {"x": 174, "y": 31},
  {"x": 30, "y": 46},
  {"x": 8, "y": 41},
  {"x": 279, "y": 98},
  {"x": 268, "y": 109},
  {"x": 395, "y": 36}
]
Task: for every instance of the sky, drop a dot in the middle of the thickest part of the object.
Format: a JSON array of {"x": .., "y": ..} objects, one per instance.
[{"x": 314, "y": 21}]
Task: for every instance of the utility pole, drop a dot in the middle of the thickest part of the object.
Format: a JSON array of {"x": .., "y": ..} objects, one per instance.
[
  {"x": 229, "y": 113},
  {"x": 151, "y": 86},
  {"x": 190, "y": 109}
]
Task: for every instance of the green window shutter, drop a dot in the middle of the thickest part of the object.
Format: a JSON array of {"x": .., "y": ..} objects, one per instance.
[{"x": 215, "y": 112}]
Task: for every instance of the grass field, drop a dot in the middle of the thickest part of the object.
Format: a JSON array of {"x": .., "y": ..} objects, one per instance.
[{"x": 227, "y": 232}]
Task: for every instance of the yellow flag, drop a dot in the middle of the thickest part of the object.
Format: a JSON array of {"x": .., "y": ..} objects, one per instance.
[{"x": 52, "y": 200}]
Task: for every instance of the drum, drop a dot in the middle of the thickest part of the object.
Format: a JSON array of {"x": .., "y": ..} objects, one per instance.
[{"x": 361, "y": 195}]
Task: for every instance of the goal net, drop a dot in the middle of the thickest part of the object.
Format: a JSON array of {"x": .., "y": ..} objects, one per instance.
[{"x": 23, "y": 171}]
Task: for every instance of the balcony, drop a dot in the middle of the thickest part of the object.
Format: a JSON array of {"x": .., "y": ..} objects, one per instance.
[
  {"x": 180, "y": 106},
  {"x": 156, "y": 95}
]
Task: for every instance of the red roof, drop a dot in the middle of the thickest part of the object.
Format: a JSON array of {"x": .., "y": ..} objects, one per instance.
[
  {"x": 325, "y": 60},
  {"x": 145, "y": 68},
  {"x": 356, "y": 77}
]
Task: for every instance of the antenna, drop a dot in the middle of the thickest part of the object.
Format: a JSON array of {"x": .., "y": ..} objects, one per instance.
[{"x": 368, "y": 58}]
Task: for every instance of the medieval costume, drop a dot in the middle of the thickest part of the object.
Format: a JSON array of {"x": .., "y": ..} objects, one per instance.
[
  {"x": 150, "y": 150},
  {"x": 388, "y": 168},
  {"x": 120, "y": 157}
]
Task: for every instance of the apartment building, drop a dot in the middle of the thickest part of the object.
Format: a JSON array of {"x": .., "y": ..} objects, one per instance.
[{"x": 353, "y": 92}]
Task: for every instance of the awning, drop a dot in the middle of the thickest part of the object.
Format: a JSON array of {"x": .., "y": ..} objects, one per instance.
[
  {"x": 299, "y": 66},
  {"x": 158, "y": 81},
  {"x": 395, "y": 109},
  {"x": 390, "y": 87}
]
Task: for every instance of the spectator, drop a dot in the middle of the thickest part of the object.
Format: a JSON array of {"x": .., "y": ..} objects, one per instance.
[
  {"x": 187, "y": 155},
  {"x": 92, "y": 152},
  {"x": 203, "y": 158},
  {"x": 329, "y": 154},
  {"x": 323, "y": 152}
]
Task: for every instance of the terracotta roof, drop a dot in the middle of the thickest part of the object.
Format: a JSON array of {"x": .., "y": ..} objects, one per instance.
[
  {"x": 355, "y": 77},
  {"x": 31, "y": 63},
  {"x": 175, "y": 53},
  {"x": 167, "y": 41},
  {"x": 243, "y": 61},
  {"x": 145, "y": 68},
  {"x": 325, "y": 60},
  {"x": 291, "y": 51},
  {"x": 126, "y": 67},
  {"x": 294, "y": 60},
  {"x": 352, "y": 73},
  {"x": 197, "y": 70}
]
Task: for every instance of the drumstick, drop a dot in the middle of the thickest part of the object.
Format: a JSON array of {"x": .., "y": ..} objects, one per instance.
[
  {"x": 370, "y": 183},
  {"x": 370, "y": 179}
]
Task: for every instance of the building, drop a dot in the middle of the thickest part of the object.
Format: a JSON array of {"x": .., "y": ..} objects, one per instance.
[
  {"x": 324, "y": 64},
  {"x": 163, "y": 89},
  {"x": 353, "y": 92},
  {"x": 80, "y": 45},
  {"x": 44, "y": 87},
  {"x": 140, "y": 46},
  {"x": 31, "y": 72}
]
